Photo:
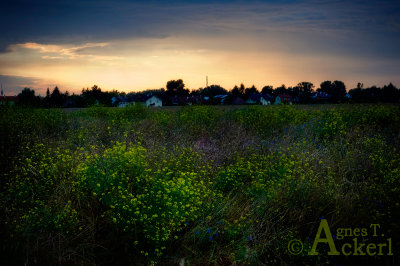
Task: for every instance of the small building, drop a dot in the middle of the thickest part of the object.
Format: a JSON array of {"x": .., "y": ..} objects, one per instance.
[
  {"x": 220, "y": 99},
  {"x": 153, "y": 101},
  {"x": 321, "y": 96},
  {"x": 10, "y": 100},
  {"x": 265, "y": 99},
  {"x": 278, "y": 100},
  {"x": 284, "y": 98},
  {"x": 125, "y": 104},
  {"x": 253, "y": 98}
]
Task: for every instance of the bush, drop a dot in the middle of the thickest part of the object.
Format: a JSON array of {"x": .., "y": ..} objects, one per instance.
[{"x": 151, "y": 207}]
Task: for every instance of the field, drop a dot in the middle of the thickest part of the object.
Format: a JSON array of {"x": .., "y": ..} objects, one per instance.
[{"x": 199, "y": 185}]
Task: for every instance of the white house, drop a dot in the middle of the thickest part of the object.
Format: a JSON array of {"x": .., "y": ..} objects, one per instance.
[
  {"x": 125, "y": 104},
  {"x": 278, "y": 100},
  {"x": 263, "y": 101},
  {"x": 154, "y": 101}
]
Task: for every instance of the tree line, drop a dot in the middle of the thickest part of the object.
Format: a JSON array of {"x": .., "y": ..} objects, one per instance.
[{"x": 302, "y": 93}]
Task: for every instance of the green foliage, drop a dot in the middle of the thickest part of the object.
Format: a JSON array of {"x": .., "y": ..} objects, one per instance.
[
  {"x": 150, "y": 206},
  {"x": 208, "y": 184},
  {"x": 199, "y": 120},
  {"x": 266, "y": 121}
]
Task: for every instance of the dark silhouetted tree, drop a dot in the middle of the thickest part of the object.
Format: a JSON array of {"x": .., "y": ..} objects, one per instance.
[
  {"x": 27, "y": 97},
  {"x": 234, "y": 93},
  {"x": 325, "y": 87},
  {"x": 242, "y": 89},
  {"x": 389, "y": 93},
  {"x": 361, "y": 95},
  {"x": 237, "y": 91},
  {"x": 339, "y": 90},
  {"x": 76, "y": 101},
  {"x": 160, "y": 93},
  {"x": 267, "y": 90},
  {"x": 280, "y": 90},
  {"x": 336, "y": 89},
  {"x": 176, "y": 87},
  {"x": 303, "y": 91},
  {"x": 358, "y": 95},
  {"x": 250, "y": 90},
  {"x": 57, "y": 99},
  {"x": 374, "y": 94},
  {"x": 212, "y": 91},
  {"x": 96, "y": 96},
  {"x": 46, "y": 100}
]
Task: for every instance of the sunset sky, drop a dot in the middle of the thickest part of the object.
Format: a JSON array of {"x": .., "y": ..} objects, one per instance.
[{"x": 137, "y": 45}]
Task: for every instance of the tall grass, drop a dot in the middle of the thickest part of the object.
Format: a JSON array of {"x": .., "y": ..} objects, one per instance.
[{"x": 203, "y": 185}]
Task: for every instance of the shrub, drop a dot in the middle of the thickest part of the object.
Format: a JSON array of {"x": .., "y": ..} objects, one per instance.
[{"x": 151, "y": 207}]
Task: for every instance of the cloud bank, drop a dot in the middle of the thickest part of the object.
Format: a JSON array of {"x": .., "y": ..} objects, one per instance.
[{"x": 130, "y": 45}]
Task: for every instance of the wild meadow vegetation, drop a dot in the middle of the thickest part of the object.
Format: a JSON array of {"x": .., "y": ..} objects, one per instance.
[{"x": 195, "y": 185}]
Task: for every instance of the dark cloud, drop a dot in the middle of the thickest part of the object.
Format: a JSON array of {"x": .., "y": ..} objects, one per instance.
[
  {"x": 367, "y": 31},
  {"x": 62, "y": 21},
  {"x": 78, "y": 21},
  {"x": 13, "y": 85}
]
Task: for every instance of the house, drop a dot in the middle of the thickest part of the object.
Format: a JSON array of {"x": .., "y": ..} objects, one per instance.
[
  {"x": 220, "y": 98},
  {"x": 258, "y": 98},
  {"x": 321, "y": 96},
  {"x": 10, "y": 100},
  {"x": 265, "y": 99},
  {"x": 253, "y": 98},
  {"x": 153, "y": 101},
  {"x": 283, "y": 98},
  {"x": 278, "y": 100},
  {"x": 125, "y": 104},
  {"x": 122, "y": 101}
]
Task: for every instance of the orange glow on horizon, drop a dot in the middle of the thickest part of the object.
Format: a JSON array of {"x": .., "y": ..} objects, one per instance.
[{"x": 135, "y": 65}]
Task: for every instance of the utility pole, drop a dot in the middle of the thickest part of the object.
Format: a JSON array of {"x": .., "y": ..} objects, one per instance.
[{"x": 206, "y": 81}]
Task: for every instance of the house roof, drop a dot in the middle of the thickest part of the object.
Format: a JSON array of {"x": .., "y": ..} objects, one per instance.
[
  {"x": 151, "y": 96},
  {"x": 321, "y": 95},
  {"x": 266, "y": 96},
  {"x": 8, "y": 98},
  {"x": 255, "y": 97},
  {"x": 285, "y": 96}
]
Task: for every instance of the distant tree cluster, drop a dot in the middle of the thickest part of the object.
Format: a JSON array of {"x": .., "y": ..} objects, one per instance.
[
  {"x": 176, "y": 93},
  {"x": 387, "y": 94},
  {"x": 88, "y": 97},
  {"x": 28, "y": 97}
]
